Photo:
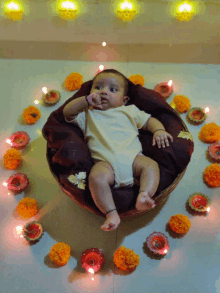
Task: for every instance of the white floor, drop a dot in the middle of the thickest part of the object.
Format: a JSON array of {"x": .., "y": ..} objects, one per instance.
[{"x": 191, "y": 265}]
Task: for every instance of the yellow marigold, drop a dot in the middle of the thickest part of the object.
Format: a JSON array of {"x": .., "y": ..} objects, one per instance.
[
  {"x": 27, "y": 207},
  {"x": 12, "y": 159},
  {"x": 210, "y": 133},
  {"x": 212, "y": 175},
  {"x": 125, "y": 259},
  {"x": 137, "y": 79},
  {"x": 181, "y": 103},
  {"x": 179, "y": 223},
  {"x": 31, "y": 115},
  {"x": 73, "y": 81},
  {"x": 60, "y": 253}
]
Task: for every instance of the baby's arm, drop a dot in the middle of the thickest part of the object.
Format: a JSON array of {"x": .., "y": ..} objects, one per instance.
[
  {"x": 152, "y": 124},
  {"x": 73, "y": 108}
]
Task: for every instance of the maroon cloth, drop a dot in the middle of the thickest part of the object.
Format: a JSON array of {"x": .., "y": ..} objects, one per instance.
[{"x": 68, "y": 153}]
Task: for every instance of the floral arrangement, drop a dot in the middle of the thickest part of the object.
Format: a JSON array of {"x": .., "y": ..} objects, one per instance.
[
  {"x": 125, "y": 259},
  {"x": 12, "y": 159},
  {"x": 31, "y": 115},
  {"x": 180, "y": 223},
  {"x": 27, "y": 207},
  {"x": 212, "y": 175},
  {"x": 60, "y": 253},
  {"x": 210, "y": 133},
  {"x": 182, "y": 103},
  {"x": 73, "y": 81},
  {"x": 78, "y": 179},
  {"x": 137, "y": 79}
]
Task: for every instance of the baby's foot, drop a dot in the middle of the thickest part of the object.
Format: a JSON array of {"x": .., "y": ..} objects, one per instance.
[
  {"x": 144, "y": 202},
  {"x": 112, "y": 221}
]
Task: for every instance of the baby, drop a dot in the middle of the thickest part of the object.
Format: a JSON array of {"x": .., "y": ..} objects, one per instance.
[{"x": 111, "y": 131}]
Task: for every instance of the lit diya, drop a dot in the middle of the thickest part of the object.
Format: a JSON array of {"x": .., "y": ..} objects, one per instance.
[
  {"x": 52, "y": 97},
  {"x": 19, "y": 140},
  {"x": 199, "y": 202},
  {"x": 17, "y": 182},
  {"x": 158, "y": 243},
  {"x": 196, "y": 115},
  {"x": 214, "y": 151},
  {"x": 92, "y": 259},
  {"x": 164, "y": 88},
  {"x": 33, "y": 231}
]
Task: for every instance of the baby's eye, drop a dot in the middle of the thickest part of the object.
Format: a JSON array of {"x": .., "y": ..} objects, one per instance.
[{"x": 111, "y": 88}]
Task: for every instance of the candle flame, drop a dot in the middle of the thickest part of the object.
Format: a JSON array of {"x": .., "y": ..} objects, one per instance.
[
  {"x": 44, "y": 89},
  {"x": 19, "y": 229},
  {"x": 165, "y": 251},
  {"x": 208, "y": 209},
  {"x": 5, "y": 184},
  {"x": 101, "y": 67},
  {"x": 207, "y": 110},
  {"x": 103, "y": 44},
  {"x": 9, "y": 141},
  {"x": 170, "y": 83},
  {"x": 91, "y": 271}
]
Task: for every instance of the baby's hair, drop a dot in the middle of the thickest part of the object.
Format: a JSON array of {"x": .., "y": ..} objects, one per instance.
[{"x": 117, "y": 73}]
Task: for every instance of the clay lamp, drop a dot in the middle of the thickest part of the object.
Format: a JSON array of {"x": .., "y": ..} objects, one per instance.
[
  {"x": 164, "y": 88},
  {"x": 158, "y": 243},
  {"x": 199, "y": 202},
  {"x": 196, "y": 115},
  {"x": 19, "y": 140},
  {"x": 92, "y": 259},
  {"x": 33, "y": 231},
  {"x": 17, "y": 182},
  {"x": 214, "y": 151},
  {"x": 51, "y": 97}
]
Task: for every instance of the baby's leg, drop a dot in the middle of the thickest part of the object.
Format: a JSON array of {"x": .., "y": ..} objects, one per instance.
[
  {"x": 147, "y": 170},
  {"x": 100, "y": 179}
]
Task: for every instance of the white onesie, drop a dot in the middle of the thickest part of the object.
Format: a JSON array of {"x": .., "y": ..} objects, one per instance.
[{"x": 112, "y": 136}]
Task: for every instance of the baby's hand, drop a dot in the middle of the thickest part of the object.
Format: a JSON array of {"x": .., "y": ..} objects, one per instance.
[{"x": 95, "y": 101}]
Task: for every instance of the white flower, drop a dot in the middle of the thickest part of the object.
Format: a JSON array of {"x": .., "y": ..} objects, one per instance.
[{"x": 78, "y": 179}]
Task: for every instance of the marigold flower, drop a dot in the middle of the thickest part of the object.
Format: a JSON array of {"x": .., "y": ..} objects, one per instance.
[
  {"x": 27, "y": 207},
  {"x": 125, "y": 259},
  {"x": 212, "y": 175},
  {"x": 12, "y": 159},
  {"x": 73, "y": 81},
  {"x": 210, "y": 133},
  {"x": 31, "y": 115},
  {"x": 180, "y": 223},
  {"x": 137, "y": 79},
  {"x": 60, "y": 253},
  {"x": 181, "y": 103}
]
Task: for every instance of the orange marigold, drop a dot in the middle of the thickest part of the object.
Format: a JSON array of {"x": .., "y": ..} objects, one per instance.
[
  {"x": 12, "y": 159},
  {"x": 60, "y": 253},
  {"x": 181, "y": 103},
  {"x": 179, "y": 223},
  {"x": 210, "y": 133},
  {"x": 27, "y": 207},
  {"x": 125, "y": 259},
  {"x": 31, "y": 115},
  {"x": 73, "y": 81},
  {"x": 212, "y": 175},
  {"x": 137, "y": 79}
]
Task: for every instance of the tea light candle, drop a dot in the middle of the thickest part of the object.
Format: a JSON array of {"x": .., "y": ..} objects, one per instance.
[
  {"x": 164, "y": 88},
  {"x": 33, "y": 231},
  {"x": 199, "y": 202},
  {"x": 158, "y": 243},
  {"x": 92, "y": 259}
]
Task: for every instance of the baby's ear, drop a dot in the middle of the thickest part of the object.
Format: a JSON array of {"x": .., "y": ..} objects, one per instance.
[{"x": 126, "y": 99}]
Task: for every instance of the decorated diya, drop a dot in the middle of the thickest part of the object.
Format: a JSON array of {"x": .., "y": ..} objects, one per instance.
[
  {"x": 214, "y": 151},
  {"x": 196, "y": 115},
  {"x": 158, "y": 243},
  {"x": 33, "y": 231},
  {"x": 18, "y": 182},
  {"x": 52, "y": 97},
  {"x": 164, "y": 89},
  {"x": 199, "y": 202},
  {"x": 19, "y": 139},
  {"x": 92, "y": 259}
]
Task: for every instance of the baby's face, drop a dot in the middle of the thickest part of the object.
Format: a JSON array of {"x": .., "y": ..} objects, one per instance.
[{"x": 110, "y": 88}]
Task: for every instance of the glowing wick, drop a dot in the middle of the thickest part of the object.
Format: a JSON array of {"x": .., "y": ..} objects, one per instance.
[
  {"x": 208, "y": 209},
  {"x": 91, "y": 271},
  {"x": 8, "y": 141},
  {"x": 5, "y": 184},
  {"x": 165, "y": 251},
  {"x": 44, "y": 89},
  {"x": 170, "y": 83},
  {"x": 207, "y": 110}
]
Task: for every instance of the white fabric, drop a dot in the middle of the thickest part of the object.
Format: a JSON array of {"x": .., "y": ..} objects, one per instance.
[{"x": 112, "y": 136}]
